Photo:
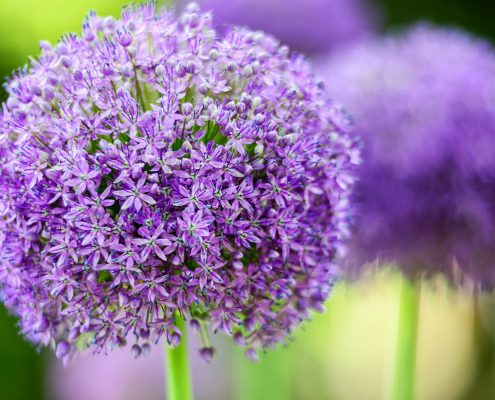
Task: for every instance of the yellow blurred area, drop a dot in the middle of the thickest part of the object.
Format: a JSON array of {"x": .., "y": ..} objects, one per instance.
[
  {"x": 446, "y": 342},
  {"x": 354, "y": 342}
]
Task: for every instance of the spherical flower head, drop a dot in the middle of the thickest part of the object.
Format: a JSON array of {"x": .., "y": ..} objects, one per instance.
[
  {"x": 310, "y": 26},
  {"x": 424, "y": 103},
  {"x": 152, "y": 169}
]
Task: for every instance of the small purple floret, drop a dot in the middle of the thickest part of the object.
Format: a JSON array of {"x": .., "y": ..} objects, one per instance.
[{"x": 207, "y": 354}]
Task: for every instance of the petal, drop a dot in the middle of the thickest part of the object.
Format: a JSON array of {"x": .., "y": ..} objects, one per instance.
[
  {"x": 137, "y": 203},
  {"x": 147, "y": 199},
  {"x": 122, "y": 193},
  {"x": 128, "y": 203}
]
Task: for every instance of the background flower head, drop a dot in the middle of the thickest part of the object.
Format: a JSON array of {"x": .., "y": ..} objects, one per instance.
[
  {"x": 311, "y": 26},
  {"x": 424, "y": 103},
  {"x": 151, "y": 168}
]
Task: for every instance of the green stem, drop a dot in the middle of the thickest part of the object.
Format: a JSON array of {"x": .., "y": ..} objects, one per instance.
[
  {"x": 405, "y": 353},
  {"x": 179, "y": 385}
]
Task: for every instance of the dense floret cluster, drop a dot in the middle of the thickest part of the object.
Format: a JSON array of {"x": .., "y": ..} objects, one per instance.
[
  {"x": 424, "y": 101},
  {"x": 152, "y": 169}
]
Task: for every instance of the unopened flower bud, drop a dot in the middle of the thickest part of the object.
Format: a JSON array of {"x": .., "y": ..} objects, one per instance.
[
  {"x": 145, "y": 349},
  {"x": 195, "y": 326},
  {"x": 135, "y": 351},
  {"x": 207, "y": 354},
  {"x": 186, "y": 108}
]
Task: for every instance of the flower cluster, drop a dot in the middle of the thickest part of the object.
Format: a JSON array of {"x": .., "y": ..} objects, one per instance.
[
  {"x": 310, "y": 26},
  {"x": 152, "y": 168},
  {"x": 425, "y": 104}
]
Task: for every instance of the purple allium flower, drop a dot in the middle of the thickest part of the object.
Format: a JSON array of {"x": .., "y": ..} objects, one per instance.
[
  {"x": 425, "y": 103},
  {"x": 311, "y": 26},
  {"x": 152, "y": 167}
]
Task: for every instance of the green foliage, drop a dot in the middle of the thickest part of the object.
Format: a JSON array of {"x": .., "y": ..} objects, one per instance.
[{"x": 21, "y": 365}]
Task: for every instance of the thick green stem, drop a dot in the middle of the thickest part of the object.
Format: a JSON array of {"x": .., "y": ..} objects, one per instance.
[
  {"x": 405, "y": 352},
  {"x": 179, "y": 385}
]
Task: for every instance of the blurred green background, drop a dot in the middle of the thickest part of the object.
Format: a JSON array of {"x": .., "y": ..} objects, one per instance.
[
  {"x": 473, "y": 15},
  {"x": 344, "y": 353}
]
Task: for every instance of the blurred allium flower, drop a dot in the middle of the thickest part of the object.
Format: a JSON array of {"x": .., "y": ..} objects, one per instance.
[
  {"x": 312, "y": 26},
  {"x": 116, "y": 376},
  {"x": 150, "y": 168},
  {"x": 425, "y": 103}
]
